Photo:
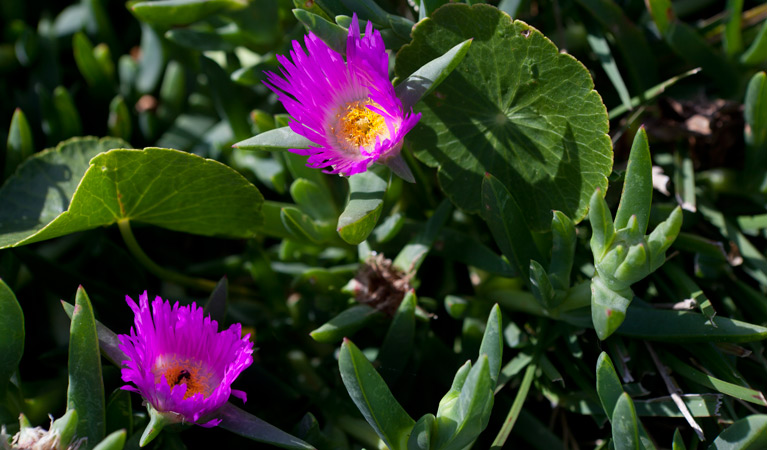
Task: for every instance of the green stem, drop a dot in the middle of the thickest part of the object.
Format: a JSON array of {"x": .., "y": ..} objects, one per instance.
[
  {"x": 161, "y": 272},
  {"x": 516, "y": 407}
]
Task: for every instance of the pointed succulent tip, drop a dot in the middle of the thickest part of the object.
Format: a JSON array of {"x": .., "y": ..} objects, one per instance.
[{"x": 400, "y": 168}]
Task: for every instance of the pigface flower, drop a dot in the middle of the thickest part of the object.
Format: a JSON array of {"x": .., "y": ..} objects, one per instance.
[
  {"x": 347, "y": 108},
  {"x": 179, "y": 361}
]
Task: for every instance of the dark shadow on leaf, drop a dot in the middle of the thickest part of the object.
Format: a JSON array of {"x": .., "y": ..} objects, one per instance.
[
  {"x": 34, "y": 196},
  {"x": 375, "y": 195}
]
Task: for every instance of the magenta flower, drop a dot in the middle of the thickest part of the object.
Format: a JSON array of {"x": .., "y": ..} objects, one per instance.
[
  {"x": 179, "y": 361},
  {"x": 349, "y": 109}
]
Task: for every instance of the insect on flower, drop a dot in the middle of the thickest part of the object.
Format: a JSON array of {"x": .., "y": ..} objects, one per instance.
[
  {"x": 347, "y": 108},
  {"x": 179, "y": 361}
]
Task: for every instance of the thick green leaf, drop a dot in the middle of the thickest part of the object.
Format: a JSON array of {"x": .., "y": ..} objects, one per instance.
[
  {"x": 709, "y": 381},
  {"x": 373, "y": 398},
  {"x": 733, "y": 35},
  {"x": 749, "y": 433},
  {"x": 115, "y": 441},
  {"x": 331, "y": 34},
  {"x": 180, "y": 12},
  {"x": 108, "y": 342},
  {"x": 410, "y": 258},
  {"x": 86, "y": 385},
  {"x": 678, "y": 443},
  {"x": 423, "y": 81},
  {"x": 89, "y": 66},
  {"x": 388, "y": 228},
  {"x": 11, "y": 335},
  {"x": 20, "y": 145},
  {"x": 119, "y": 122},
  {"x": 301, "y": 226},
  {"x": 541, "y": 287},
  {"x": 66, "y": 426},
  {"x": 173, "y": 92},
  {"x": 345, "y": 324},
  {"x": 204, "y": 40},
  {"x": 399, "y": 341},
  {"x": 757, "y": 51},
  {"x": 505, "y": 218},
  {"x": 187, "y": 193},
  {"x": 755, "y": 113},
  {"x": 366, "y": 194},
  {"x": 699, "y": 405},
  {"x": 636, "y": 196},
  {"x": 314, "y": 199},
  {"x": 278, "y": 139},
  {"x": 449, "y": 399},
  {"x": 492, "y": 343},
  {"x": 421, "y": 436},
  {"x": 245, "y": 424},
  {"x": 662, "y": 12},
  {"x": 602, "y": 228},
  {"x": 684, "y": 326},
  {"x": 152, "y": 62},
  {"x": 625, "y": 425},
  {"x": 119, "y": 412},
  {"x": 563, "y": 240},
  {"x": 460, "y": 424},
  {"x": 609, "y": 385},
  {"x": 608, "y": 307},
  {"x": 69, "y": 117},
  {"x": 470, "y": 251},
  {"x": 226, "y": 96},
  {"x": 514, "y": 107}
]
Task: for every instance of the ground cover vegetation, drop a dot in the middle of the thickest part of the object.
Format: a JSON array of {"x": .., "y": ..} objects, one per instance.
[{"x": 414, "y": 225}]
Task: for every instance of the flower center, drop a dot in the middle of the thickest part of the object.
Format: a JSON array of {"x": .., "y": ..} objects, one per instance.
[
  {"x": 192, "y": 373},
  {"x": 357, "y": 126}
]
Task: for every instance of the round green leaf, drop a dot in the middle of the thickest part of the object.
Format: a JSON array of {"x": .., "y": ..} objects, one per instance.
[
  {"x": 43, "y": 186},
  {"x": 167, "y": 188},
  {"x": 516, "y": 108}
]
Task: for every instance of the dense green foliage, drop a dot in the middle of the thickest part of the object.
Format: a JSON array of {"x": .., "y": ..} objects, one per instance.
[{"x": 580, "y": 262}]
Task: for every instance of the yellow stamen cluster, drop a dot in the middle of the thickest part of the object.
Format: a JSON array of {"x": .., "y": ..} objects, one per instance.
[
  {"x": 198, "y": 379},
  {"x": 357, "y": 126}
]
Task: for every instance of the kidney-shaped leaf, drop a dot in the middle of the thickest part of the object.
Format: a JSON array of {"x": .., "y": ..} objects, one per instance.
[
  {"x": 43, "y": 186},
  {"x": 162, "y": 187},
  {"x": 515, "y": 107}
]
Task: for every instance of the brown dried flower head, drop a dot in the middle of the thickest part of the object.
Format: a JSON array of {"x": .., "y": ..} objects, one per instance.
[{"x": 381, "y": 285}]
